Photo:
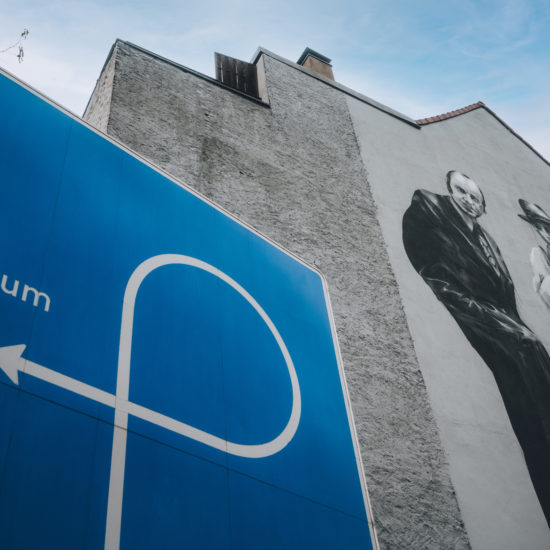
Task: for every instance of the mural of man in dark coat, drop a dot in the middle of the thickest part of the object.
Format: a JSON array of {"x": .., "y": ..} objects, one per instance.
[{"x": 463, "y": 266}]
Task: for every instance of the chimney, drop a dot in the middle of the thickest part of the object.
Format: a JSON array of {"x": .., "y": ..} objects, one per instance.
[{"x": 316, "y": 62}]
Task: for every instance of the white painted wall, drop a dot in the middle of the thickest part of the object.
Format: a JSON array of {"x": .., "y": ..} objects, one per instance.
[{"x": 494, "y": 490}]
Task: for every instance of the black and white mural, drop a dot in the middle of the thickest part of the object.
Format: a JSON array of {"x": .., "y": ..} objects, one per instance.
[{"x": 462, "y": 264}]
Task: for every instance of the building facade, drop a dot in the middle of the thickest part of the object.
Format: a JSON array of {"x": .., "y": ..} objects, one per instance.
[{"x": 361, "y": 191}]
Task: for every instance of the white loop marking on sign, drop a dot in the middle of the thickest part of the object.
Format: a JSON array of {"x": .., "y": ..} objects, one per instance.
[
  {"x": 123, "y": 407},
  {"x": 125, "y": 350}
]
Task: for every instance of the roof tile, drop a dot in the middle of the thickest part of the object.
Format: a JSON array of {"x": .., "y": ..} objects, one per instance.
[{"x": 451, "y": 114}]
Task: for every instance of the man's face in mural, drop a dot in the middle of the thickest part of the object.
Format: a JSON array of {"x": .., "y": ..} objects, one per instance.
[{"x": 466, "y": 195}]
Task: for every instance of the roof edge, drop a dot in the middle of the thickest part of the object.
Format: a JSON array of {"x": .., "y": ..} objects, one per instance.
[
  {"x": 348, "y": 91},
  {"x": 473, "y": 107},
  {"x": 193, "y": 72},
  {"x": 365, "y": 99},
  {"x": 178, "y": 66},
  {"x": 450, "y": 114}
]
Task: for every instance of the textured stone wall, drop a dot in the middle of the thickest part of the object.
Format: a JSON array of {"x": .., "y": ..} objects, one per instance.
[
  {"x": 294, "y": 171},
  {"x": 99, "y": 107}
]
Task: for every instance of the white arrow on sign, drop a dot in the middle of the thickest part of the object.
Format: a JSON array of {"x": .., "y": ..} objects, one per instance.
[{"x": 12, "y": 362}]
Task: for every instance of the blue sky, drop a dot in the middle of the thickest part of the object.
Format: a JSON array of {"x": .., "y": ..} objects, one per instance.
[{"x": 421, "y": 58}]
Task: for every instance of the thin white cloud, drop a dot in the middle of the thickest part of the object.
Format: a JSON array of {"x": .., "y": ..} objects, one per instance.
[{"x": 490, "y": 31}]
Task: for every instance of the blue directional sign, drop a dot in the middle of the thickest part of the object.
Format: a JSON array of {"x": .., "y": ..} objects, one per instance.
[{"x": 168, "y": 377}]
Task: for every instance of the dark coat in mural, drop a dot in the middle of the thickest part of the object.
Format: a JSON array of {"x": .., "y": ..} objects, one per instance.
[{"x": 467, "y": 273}]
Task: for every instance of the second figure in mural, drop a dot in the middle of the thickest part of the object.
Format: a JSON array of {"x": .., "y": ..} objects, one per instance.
[
  {"x": 463, "y": 266},
  {"x": 540, "y": 255}
]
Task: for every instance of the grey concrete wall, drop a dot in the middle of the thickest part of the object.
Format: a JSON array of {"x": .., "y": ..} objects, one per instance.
[
  {"x": 294, "y": 171},
  {"x": 99, "y": 107},
  {"x": 496, "y": 497}
]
